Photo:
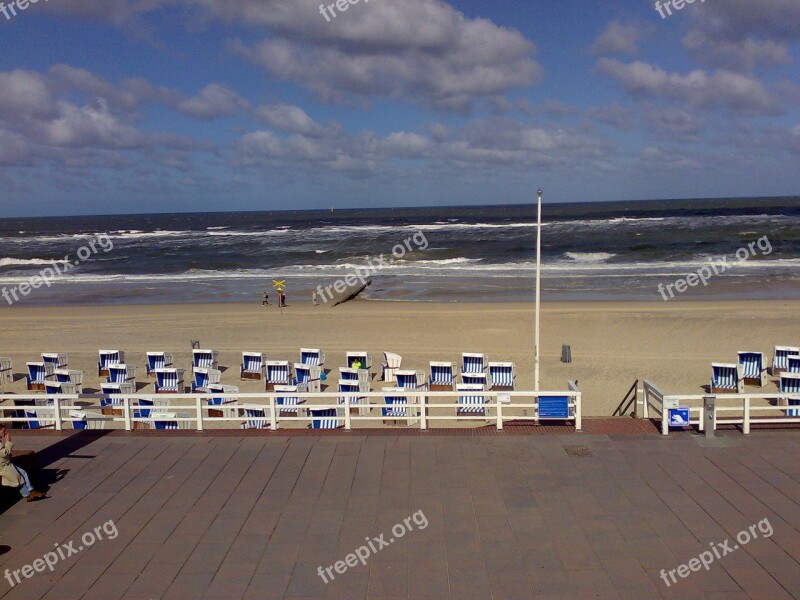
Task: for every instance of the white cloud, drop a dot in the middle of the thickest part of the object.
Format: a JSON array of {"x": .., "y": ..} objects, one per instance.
[
  {"x": 213, "y": 101},
  {"x": 619, "y": 38}
]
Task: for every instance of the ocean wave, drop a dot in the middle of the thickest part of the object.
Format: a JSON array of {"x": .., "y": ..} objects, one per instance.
[
  {"x": 27, "y": 262},
  {"x": 589, "y": 257}
]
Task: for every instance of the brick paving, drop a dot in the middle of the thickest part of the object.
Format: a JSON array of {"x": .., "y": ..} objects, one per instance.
[{"x": 509, "y": 515}]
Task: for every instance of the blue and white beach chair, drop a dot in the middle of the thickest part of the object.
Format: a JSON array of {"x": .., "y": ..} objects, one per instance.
[
  {"x": 57, "y": 387},
  {"x": 474, "y": 379},
  {"x": 362, "y": 361},
  {"x": 790, "y": 384},
  {"x": 205, "y": 359},
  {"x": 108, "y": 403},
  {"x": 38, "y": 374},
  {"x": 473, "y": 363},
  {"x": 780, "y": 360},
  {"x": 169, "y": 381},
  {"x": 79, "y": 419},
  {"x": 397, "y": 408},
  {"x": 754, "y": 365},
  {"x": 727, "y": 378},
  {"x": 57, "y": 359},
  {"x": 108, "y": 358},
  {"x": 391, "y": 363},
  {"x": 121, "y": 373},
  {"x": 6, "y": 371},
  {"x": 158, "y": 360},
  {"x": 252, "y": 365},
  {"x": 308, "y": 376},
  {"x": 223, "y": 400},
  {"x": 443, "y": 376},
  {"x": 350, "y": 374},
  {"x": 203, "y": 378},
  {"x": 288, "y": 402},
  {"x": 71, "y": 376},
  {"x": 323, "y": 418},
  {"x": 793, "y": 364},
  {"x": 312, "y": 356},
  {"x": 470, "y": 402},
  {"x": 41, "y": 418},
  {"x": 411, "y": 380},
  {"x": 501, "y": 376},
  {"x": 256, "y": 418},
  {"x": 279, "y": 372},
  {"x": 357, "y": 403}
]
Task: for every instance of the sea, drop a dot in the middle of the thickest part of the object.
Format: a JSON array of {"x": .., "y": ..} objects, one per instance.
[{"x": 590, "y": 251}]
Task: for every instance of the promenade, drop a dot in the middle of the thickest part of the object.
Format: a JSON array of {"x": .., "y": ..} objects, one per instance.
[{"x": 508, "y": 514}]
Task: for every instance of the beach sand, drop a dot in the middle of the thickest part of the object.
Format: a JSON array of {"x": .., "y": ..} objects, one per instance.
[{"x": 613, "y": 343}]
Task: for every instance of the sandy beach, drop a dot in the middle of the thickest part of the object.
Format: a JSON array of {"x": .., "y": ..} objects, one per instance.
[{"x": 612, "y": 343}]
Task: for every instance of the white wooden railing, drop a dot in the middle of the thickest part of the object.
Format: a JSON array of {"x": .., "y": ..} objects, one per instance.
[{"x": 191, "y": 410}]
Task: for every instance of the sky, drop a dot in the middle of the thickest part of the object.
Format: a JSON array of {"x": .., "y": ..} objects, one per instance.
[{"x": 136, "y": 106}]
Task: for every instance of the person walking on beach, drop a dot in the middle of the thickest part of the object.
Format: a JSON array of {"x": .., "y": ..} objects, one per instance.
[
  {"x": 266, "y": 299},
  {"x": 12, "y": 475},
  {"x": 282, "y": 300},
  {"x": 314, "y": 298}
]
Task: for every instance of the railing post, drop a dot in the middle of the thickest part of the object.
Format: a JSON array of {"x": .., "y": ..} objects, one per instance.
[
  {"x": 126, "y": 413},
  {"x": 199, "y": 407},
  {"x": 347, "y": 423},
  {"x": 499, "y": 413},
  {"x": 664, "y": 419},
  {"x": 273, "y": 416},
  {"x": 646, "y": 405},
  {"x": 578, "y": 422},
  {"x": 746, "y": 416},
  {"x": 423, "y": 413},
  {"x": 57, "y": 415}
]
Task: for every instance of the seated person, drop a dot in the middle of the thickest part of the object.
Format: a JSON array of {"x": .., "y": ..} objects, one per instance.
[{"x": 12, "y": 475}]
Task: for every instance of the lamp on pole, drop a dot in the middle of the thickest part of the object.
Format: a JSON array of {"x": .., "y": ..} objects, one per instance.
[{"x": 538, "y": 286}]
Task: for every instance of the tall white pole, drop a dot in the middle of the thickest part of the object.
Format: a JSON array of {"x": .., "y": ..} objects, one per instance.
[{"x": 538, "y": 286}]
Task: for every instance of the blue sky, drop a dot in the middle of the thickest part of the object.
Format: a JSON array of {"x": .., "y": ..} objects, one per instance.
[{"x": 129, "y": 106}]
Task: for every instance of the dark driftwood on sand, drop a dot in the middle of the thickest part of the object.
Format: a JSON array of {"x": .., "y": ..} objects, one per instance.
[{"x": 350, "y": 293}]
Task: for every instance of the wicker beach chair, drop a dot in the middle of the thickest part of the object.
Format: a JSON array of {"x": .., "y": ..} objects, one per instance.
[
  {"x": 727, "y": 378},
  {"x": 501, "y": 376},
  {"x": 169, "y": 381},
  {"x": 443, "y": 376},
  {"x": 158, "y": 360},
  {"x": 253, "y": 366}
]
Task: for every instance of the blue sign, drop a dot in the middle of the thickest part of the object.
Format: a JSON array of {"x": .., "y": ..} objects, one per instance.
[{"x": 679, "y": 417}]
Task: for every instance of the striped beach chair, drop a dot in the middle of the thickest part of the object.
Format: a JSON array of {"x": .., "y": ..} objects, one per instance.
[
  {"x": 474, "y": 379},
  {"x": 308, "y": 376},
  {"x": 108, "y": 358},
  {"x": 6, "y": 371},
  {"x": 205, "y": 359},
  {"x": 391, "y": 363},
  {"x": 279, "y": 372},
  {"x": 350, "y": 374},
  {"x": 57, "y": 387},
  {"x": 121, "y": 373},
  {"x": 253, "y": 365},
  {"x": 41, "y": 418},
  {"x": 553, "y": 408},
  {"x": 754, "y": 368},
  {"x": 793, "y": 364},
  {"x": 312, "y": 356},
  {"x": 158, "y": 360},
  {"x": 470, "y": 402},
  {"x": 727, "y": 378},
  {"x": 473, "y": 363},
  {"x": 411, "y": 380},
  {"x": 108, "y": 403},
  {"x": 358, "y": 359},
  {"x": 79, "y": 419},
  {"x": 169, "y": 381},
  {"x": 396, "y": 407},
  {"x": 256, "y": 418},
  {"x": 161, "y": 416},
  {"x": 323, "y": 418},
  {"x": 501, "y": 376},
  {"x": 70, "y": 376},
  {"x": 288, "y": 403},
  {"x": 38, "y": 374},
  {"x": 57, "y": 359},
  {"x": 222, "y": 400},
  {"x": 443, "y": 376},
  {"x": 790, "y": 384},
  {"x": 780, "y": 359},
  {"x": 203, "y": 378},
  {"x": 357, "y": 403}
]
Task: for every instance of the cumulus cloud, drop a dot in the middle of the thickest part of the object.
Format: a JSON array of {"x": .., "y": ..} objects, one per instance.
[
  {"x": 213, "y": 101},
  {"x": 698, "y": 89},
  {"x": 286, "y": 117},
  {"x": 619, "y": 38}
]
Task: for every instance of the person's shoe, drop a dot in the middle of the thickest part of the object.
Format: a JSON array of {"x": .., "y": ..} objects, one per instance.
[{"x": 34, "y": 495}]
